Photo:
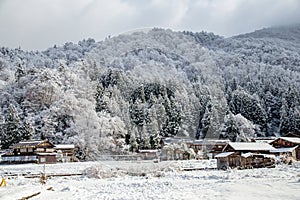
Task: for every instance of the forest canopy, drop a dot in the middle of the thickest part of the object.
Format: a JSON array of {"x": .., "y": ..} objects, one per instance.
[{"x": 126, "y": 92}]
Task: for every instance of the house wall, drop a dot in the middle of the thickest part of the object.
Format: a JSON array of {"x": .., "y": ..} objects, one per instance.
[
  {"x": 47, "y": 159},
  {"x": 18, "y": 159},
  {"x": 297, "y": 153},
  {"x": 280, "y": 143},
  {"x": 222, "y": 163},
  {"x": 240, "y": 162}
]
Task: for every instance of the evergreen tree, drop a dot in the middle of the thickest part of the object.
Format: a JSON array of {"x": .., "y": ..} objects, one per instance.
[
  {"x": 13, "y": 131},
  {"x": 285, "y": 123},
  {"x": 250, "y": 107},
  {"x": 230, "y": 130}
]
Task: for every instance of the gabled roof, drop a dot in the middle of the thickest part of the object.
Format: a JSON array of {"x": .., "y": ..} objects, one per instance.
[
  {"x": 295, "y": 140},
  {"x": 30, "y": 143},
  {"x": 209, "y": 142},
  {"x": 292, "y": 134},
  {"x": 250, "y": 146}
]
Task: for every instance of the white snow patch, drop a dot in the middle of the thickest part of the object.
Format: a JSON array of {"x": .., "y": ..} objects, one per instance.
[{"x": 281, "y": 182}]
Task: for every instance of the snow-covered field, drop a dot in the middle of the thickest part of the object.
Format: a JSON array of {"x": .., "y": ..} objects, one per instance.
[{"x": 149, "y": 180}]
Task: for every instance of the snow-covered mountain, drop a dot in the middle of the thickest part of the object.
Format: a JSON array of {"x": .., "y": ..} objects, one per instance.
[{"x": 130, "y": 90}]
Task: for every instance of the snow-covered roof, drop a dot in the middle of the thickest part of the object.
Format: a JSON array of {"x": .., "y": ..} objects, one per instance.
[
  {"x": 30, "y": 143},
  {"x": 148, "y": 151},
  {"x": 209, "y": 141},
  {"x": 176, "y": 140},
  {"x": 283, "y": 150},
  {"x": 295, "y": 140},
  {"x": 251, "y": 146},
  {"x": 64, "y": 146},
  {"x": 46, "y": 154},
  {"x": 246, "y": 155},
  {"x": 192, "y": 141},
  {"x": 224, "y": 154}
]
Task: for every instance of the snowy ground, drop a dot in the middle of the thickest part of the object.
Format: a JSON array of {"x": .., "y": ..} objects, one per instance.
[{"x": 148, "y": 180}]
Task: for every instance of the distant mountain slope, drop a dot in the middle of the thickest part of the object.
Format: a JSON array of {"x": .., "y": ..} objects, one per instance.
[
  {"x": 126, "y": 92},
  {"x": 287, "y": 33}
]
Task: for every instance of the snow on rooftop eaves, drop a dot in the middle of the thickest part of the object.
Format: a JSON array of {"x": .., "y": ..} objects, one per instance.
[
  {"x": 295, "y": 140},
  {"x": 247, "y": 155},
  {"x": 284, "y": 150},
  {"x": 251, "y": 146},
  {"x": 64, "y": 146},
  {"x": 31, "y": 141},
  {"x": 223, "y": 155}
]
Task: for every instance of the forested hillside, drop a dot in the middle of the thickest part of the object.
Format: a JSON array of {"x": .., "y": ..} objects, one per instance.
[{"x": 128, "y": 91}]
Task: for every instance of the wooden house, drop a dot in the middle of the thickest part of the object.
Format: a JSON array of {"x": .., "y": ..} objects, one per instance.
[
  {"x": 65, "y": 152},
  {"x": 287, "y": 154},
  {"x": 39, "y": 151},
  {"x": 245, "y": 155},
  {"x": 174, "y": 148},
  {"x": 288, "y": 142},
  {"x": 227, "y": 160},
  {"x": 149, "y": 154},
  {"x": 209, "y": 147}
]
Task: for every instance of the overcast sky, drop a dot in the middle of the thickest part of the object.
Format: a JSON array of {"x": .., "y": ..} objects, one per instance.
[{"x": 39, "y": 24}]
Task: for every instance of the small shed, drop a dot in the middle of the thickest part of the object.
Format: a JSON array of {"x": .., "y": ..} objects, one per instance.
[
  {"x": 224, "y": 160},
  {"x": 149, "y": 154},
  {"x": 65, "y": 152}
]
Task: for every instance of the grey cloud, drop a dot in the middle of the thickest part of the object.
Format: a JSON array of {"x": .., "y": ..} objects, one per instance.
[{"x": 36, "y": 24}]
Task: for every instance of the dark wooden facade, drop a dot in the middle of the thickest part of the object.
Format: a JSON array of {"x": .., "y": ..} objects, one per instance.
[
  {"x": 287, "y": 142},
  {"x": 49, "y": 158},
  {"x": 292, "y": 134},
  {"x": 228, "y": 160},
  {"x": 41, "y": 151}
]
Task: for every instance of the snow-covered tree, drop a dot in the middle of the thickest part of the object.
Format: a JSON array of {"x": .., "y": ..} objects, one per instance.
[{"x": 13, "y": 129}]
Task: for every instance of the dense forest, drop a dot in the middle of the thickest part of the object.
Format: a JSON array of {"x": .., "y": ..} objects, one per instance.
[{"x": 126, "y": 92}]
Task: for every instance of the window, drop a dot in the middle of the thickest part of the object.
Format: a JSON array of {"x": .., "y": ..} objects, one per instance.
[
  {"x": 23, "y": 150},
  {"x": 43, "y": 160},
  {"x": 40, "y": 149},
  {"x": 30, "y": 149}
]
